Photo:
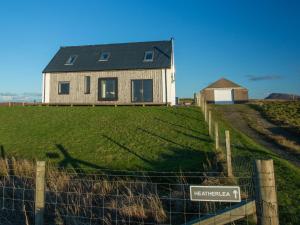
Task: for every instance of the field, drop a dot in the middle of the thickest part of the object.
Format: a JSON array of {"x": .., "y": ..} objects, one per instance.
[
  {"x": 283, "y": 113},
  {"x": 135, "y": 138}
]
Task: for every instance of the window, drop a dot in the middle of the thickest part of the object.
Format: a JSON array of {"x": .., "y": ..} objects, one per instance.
[
  {"x": 104, "y": 56},
  {"x": 87, "y": 85},
  {"x": 142, "y": 91},
  {"x": 148, "y": 56},
  {"x": 63, "y": 87},
  {"x": 71, "y": 60},
  {"x": 108, "y": 89}
]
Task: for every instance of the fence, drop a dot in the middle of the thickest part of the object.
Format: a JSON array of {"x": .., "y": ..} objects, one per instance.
[{"x": 43, "y": 194}]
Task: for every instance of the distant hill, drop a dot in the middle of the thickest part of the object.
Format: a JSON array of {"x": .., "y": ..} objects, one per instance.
[{"x": 282, "y": 96}]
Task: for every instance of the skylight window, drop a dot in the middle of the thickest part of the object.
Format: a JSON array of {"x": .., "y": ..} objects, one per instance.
[
  {"x": 71, "y": 60},
  {"x": 148, "y": 56},
  {"x": 104, "y": 56}
]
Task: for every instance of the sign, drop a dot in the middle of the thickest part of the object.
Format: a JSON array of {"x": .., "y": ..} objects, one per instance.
[{"x": 215, "y": 193}]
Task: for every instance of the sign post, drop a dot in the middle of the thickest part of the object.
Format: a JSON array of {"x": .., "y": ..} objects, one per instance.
[{"x": 215, "y": 193}]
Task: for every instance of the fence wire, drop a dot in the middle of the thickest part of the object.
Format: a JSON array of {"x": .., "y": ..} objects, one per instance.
[{"x": 74, "y": 197}]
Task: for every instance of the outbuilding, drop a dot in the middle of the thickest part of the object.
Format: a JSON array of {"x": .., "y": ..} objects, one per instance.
[{"x": 224, "y": 91}]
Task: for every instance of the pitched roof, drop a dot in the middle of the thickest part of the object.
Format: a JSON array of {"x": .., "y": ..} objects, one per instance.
[
  {"x": 223, "y": 83},
  {"x": 122, "y": 57}
]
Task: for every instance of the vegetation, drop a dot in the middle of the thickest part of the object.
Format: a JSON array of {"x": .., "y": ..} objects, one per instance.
[
  {"x": 283, "y": 113},
  {"x": 134, "y": 138},
  {"x": 246, "y": 150}
]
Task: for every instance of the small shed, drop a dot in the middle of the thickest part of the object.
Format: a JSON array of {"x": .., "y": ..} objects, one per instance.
[{"x": 224, "y": 91}]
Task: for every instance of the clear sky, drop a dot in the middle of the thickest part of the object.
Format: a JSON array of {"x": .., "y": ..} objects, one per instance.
[{"x": 254, "y": 43}]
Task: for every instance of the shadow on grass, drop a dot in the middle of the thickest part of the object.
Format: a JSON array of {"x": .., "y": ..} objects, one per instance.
[
  {"x": 127, "y": 149},
  {"x": 3, "y": 156},
  {"x": 193, "y": 136},
  {"x": 179, "y": 126},
  {"x": 69, "y": 160}
]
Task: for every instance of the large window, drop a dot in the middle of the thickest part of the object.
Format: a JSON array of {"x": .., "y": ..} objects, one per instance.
[
  {"x": 87, "y": 85},
  {"x": 63, "y": 87},
  {"x": 108, "y": 89},
  {"x": 141, "y": 90}
]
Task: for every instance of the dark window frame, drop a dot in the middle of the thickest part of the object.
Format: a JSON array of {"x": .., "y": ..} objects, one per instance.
[
  {"x": 101, "y": 59},
  {"x": 146, "y": 53},
  {"x": 59, "y": 87},
  {"x": 131, "y": 91},
  {"x": 100, "y": 89},
  {"x": 87, "y": 85}
]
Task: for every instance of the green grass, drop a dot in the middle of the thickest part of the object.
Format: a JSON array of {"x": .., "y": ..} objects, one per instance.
[
  {"x": 246, "y": 150},
  {"x": 284, "y": 113},
  {"x": 144, "y": 138}
]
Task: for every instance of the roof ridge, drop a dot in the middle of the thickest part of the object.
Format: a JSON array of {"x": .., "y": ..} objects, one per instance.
[{"x": 119, "y": 43}]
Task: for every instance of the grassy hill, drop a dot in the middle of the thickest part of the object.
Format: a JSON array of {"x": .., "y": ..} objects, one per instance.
[{"x": 148, "y": 138}]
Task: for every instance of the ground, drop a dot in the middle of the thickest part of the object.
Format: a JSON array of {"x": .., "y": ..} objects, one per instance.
[
  {"x": 144, "y": 138},
  {"x": 249, "y": 144},
  {"x": 141, "y": 138},
  {"x": 251, "y": 122}
]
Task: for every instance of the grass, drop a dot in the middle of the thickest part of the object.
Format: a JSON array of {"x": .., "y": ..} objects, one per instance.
[
  {"x": 135, "y": 138},
  {"x": 246, "y": 150},
  {"x": 283, "y": 113}
]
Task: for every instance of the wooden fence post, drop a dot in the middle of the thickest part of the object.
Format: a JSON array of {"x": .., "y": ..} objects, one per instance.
[
  {"x": 217, "y": 135},
  {"x": 23, "y": 103},
  {"x": 40, "y": 193},
  {"x": 205, "y": 111},
  {"x": 228, "y": 154},
  {"x": 209, "y": 123},
  {"x": 267, "y": 208}
]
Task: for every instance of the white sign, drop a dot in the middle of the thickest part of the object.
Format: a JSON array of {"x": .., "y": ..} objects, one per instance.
[{"x": 215, "y": 193}]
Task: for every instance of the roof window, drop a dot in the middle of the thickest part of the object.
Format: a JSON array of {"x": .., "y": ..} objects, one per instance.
[
  {"x": 148, "y": 56},
  {"x": 71, "y": 60},
  {"x": 104, "y": 56}
]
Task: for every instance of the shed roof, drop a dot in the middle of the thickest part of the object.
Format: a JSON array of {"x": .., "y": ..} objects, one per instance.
[
  {"x": 123, "y": 56},
  {"x": 223, "y": 83}
]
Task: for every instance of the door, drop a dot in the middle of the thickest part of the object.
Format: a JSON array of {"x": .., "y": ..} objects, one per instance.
[{"x": 223, "y": 96}]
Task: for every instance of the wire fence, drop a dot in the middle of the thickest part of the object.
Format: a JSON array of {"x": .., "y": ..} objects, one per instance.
[{"x": 74, "y": 197}]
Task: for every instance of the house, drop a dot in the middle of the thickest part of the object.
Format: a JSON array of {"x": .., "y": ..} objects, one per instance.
[
  {"x": 224, "y": 91},
  {"x": 127, "y": 73}
]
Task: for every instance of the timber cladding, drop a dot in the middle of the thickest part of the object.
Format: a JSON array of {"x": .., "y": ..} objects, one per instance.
[
  {"x": 240, "y": 95},
  {"x": 77, "y": 91}
]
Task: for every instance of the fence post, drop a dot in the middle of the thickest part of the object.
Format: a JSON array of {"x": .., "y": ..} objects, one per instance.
[
  {"x": 209, "y": 123},
  {"x": 205, "y": 111},
  {"x": 228, "y": 154},
  {"x": 40, "y": 193},
  {"x": 217, "y": 135},
  {"x": 267, "y": 209}
]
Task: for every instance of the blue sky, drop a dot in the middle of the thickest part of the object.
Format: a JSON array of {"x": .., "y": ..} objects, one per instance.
[{"x": 254, "y": 43}]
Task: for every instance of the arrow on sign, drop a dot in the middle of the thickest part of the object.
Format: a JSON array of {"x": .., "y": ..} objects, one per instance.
[{"x": 235, "y": 192}]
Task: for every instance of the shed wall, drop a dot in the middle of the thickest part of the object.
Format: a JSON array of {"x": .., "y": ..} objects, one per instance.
[
  {"x": 240, "y": 95},
  {"x": 76, "y": 80}
]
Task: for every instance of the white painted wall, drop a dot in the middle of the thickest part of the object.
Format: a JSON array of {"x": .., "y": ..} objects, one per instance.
[
  {"x": 46, "y": 88},
  {"x": 171, "y": 92}
]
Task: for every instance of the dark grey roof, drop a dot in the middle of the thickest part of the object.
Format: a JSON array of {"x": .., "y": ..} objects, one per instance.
[{"x": 122, "y": 57}]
